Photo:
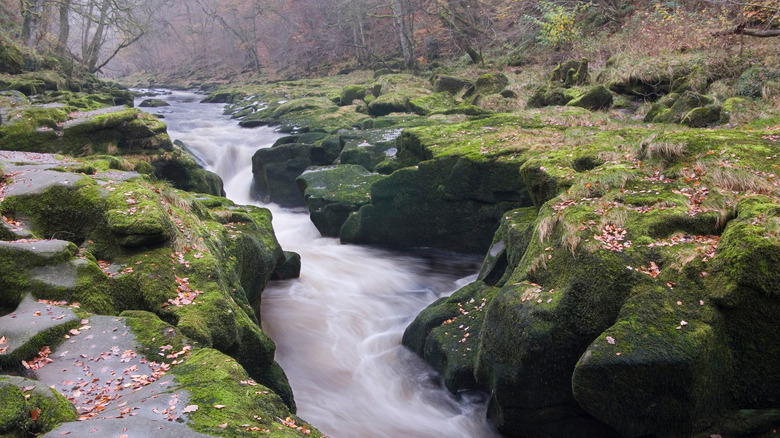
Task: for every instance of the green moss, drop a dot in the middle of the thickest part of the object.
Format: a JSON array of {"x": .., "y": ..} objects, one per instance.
[
  {"x": 214, "y": 379},
  {"x": 446, "y": 334},
  {"x": 18, "y": 401}
]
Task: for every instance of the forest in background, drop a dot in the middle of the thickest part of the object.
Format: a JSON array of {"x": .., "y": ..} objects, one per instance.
[{"x": 221, "y": 38}]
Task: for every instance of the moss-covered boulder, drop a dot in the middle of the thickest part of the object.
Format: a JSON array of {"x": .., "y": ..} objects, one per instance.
[
  {"x": 153, "y": 103},
  {"x": 304, "y": 114},
  {"x": 351, "y": 93},
  {"x": 677, "y": 106},
  {"x": 554, "y": 95},
  {"x": 200, "y": 264},
  {"x": 634, "y": 302},
  {"x": 450, "y": 84},
  {"x": 453, "y": 203},
  {"x": 333, "y": 193},
  {"x": 594, "y": 99},
  {"x": 434, "y": 103},
  {"x": 369, "y": 148},
  {"x": 442, "y": 334},
  {"x": 752, "y": 81},
  {"x": 11, "y": 58},
  {"x": 490, "y": 83},
  {"x": 29, "y": 407},
  {"x": 570, "y": 73},
  {"x": 275, "y": 169},
  {"x": 182, "y": 170}
]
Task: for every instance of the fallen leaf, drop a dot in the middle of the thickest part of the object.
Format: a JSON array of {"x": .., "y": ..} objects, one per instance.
[
  {"x": 34, "y": 414},
  {"x": 223, "y": 425},
  {"x": 189, "y": 408},
  {"x": 219, "y": 406}
]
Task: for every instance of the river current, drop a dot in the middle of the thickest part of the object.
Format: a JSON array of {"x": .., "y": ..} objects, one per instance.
[{"x": 338, "y": 327}]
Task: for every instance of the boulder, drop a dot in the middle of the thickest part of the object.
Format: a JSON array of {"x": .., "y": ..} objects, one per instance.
[
  {"x": 449, "y": 84},
  {"x": 291, "y": 268},
  {"x": 452, "y": 203},
  {"x": 594, "y": 99},
  {"x": 677, "y": 106},
  {"x": 19, "y": 397},
  {"x": 333, "y": 193},
  {"x": 153, "y": 103},
  {"x": 351, "y": 93},
  {"x": 182, "y": 170},
  {"x": 570, "y": 73}
]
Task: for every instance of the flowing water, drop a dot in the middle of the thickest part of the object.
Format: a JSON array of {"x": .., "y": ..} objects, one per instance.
[{"x": 338, "y": 327}]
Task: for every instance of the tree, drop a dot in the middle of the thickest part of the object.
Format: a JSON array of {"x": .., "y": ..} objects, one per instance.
[
  {"x": 758, "y": 18},
  {"x": 32, "y": 15}
]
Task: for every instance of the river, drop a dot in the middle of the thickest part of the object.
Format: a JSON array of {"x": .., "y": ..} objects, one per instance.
[{"x": 338, "y": 327}]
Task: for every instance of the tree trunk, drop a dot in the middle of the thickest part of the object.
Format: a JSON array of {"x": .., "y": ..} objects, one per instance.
[
  {"x": 403, "y": 31},
  {"x": 64, "y": 31},
  {"x": 32, "y": 12},
  {"x": 93, "y": 50}
]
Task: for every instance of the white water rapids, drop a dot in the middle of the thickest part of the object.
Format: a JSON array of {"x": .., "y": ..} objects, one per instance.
[{"x": 338, "y": 327}]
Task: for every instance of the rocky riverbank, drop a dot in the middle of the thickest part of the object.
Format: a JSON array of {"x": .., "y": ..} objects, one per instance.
[{"x": 630, "y": 277}]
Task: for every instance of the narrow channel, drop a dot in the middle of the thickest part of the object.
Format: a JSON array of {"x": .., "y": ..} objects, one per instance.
[{"x": 338, "y": 327}]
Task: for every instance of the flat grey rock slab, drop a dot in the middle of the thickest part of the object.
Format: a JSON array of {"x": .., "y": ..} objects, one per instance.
[
  {"x": 18, "y": 157},
  {"x": 25, "y": 181},
  {"x": 64, "y": 275},
  {"x": 112, "y": 386},
  {"x": 44, "y": 249},
  {"x": 131, "y": 428},
  {"x": 29, "y": 320}
]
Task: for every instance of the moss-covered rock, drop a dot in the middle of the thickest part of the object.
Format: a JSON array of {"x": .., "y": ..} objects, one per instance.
[
  {"x": 333, "y": 193},
  {"x": 570, "y": 73},
  {"x": 276, "y": 168},
  {"x": 442, "y": 334},
  {"x": 450, "y": 84},
  {"x": 351, "y": 93},
  {"x": 490, "y": 83},
  {"x": 452, "y": 203},
  {"x": 11, "y": 58},
  {"x": 594, "y": 99},
  {"x": 153, "y": 103},
  {"x": 435, "y": 103},
  {"x": 181, "y": 169},
  {"x": 31, "y": 408}
]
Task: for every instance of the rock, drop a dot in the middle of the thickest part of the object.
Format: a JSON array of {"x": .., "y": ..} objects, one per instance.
[
  {"x": 153, "y": 103},
  {"x": 19, "y": 397},
  {"x": 449, "y": 84},
  {"x": 678, "y": 107},
  {"x": 441, "y": 334},
  {"x": 488, "y": 83},
  {"x": 751, "y": 82},
  {"x": 275, "y": 170},
  {"x": 11, "y": 58},
  {"x": 31, "y": 327},
  {"x": 369, "y": 148},
  {"x": 291, "y": 268},
  {"x": 392, "y": 102},
  {"x": 351, "y": 93},
  {"x": 434, "y": 103},
  {"x": 447, "y": 203},
  {"x": 570, "y": 73},
  {"x": 332, "y": 193},
  {"x": 703, "y": 116},
  {"x": 553, "y": 95},
  {"x": 182, "y": 170},
  {"x": 594, "y": 99}
]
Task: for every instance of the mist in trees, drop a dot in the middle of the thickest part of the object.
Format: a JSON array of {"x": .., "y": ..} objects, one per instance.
[{"x": 304, "y": 36}]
